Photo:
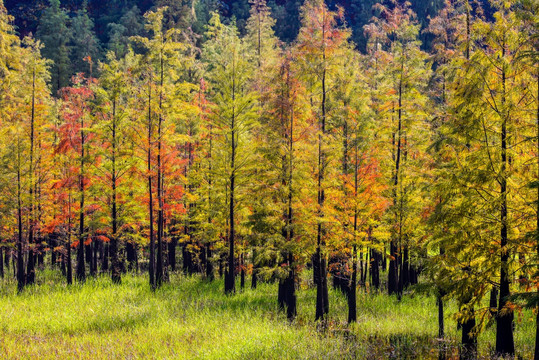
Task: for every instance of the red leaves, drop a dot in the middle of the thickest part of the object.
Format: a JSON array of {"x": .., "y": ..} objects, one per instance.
[{"x": 103, "y": 238}]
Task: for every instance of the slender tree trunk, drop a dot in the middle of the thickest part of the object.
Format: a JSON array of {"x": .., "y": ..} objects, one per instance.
[
  {"x": 230, "y": 280},
  {"x": 393, "y": 277},
  {"x": 151, "y": 269},
  {"x": 242, "y": 271},
  {"x": 69, "y": 266},
  {"x": 30, "y": 268},
  {"x": 441, "y": 327},
  {"x": 160, "y": 215},
  {"x": 1, "y": 262},
  {"x": 172, "y": 252},
  {"x": 81, "y": 271},
  {"x": 536, "y": 356},
  {"x": 468, "y": 349},
  {"x": 209, "y": 264},
  {"x": 290, "y": 280},
  {"x": 116, "y": 271},
  {"x": 254, "y": 275},
  {"x": 375, "y": 269},
  {"x": 21, "y": 279},
  {"x": 7, "y": 255},
  {"x": 504, "y": 320},
  {"x": 322, "y": 297},
  {"x": 352, "y": 296}
]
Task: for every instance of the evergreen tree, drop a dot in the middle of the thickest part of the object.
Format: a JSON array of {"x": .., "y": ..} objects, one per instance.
[
  {"x": 85, "y": 47},
  {"x": 131, "y": 24},
  {"x": 55, "y": 36}
]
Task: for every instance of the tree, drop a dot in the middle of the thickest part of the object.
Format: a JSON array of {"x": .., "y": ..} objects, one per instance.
[
  {"x": 131, "y": 24},
  {"x": 75, "y": 135},
  {"x": 320, "y": 42},
  {"x": 162, "y": 64},
  {"x": 84, "y": 43},
  {"x": 261, "y": 39},
  {"x": 53, "y": 32},
  {"x": 230, "y": 72},
  {"x": 118, "y": 159},
  {"x": 481, "y": 145},
  {"x": 404, "y": 107}
]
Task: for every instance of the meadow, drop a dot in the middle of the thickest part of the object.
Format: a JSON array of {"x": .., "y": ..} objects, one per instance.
[{"x": 190, "y": 318}]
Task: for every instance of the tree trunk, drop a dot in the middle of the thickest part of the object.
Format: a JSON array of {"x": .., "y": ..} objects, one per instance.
[
  {"x": 172, "y": 253},
  {"x": 30, "y": 268},
  {"x": 322, "y": 298},
  {"x": 536, "y": 356},
  {"x": 81, "y": 271},
  {"x": 352, "y": 302},
  {"x": 375, "y": 269},
  {"x": 1, "y": 262},
  {"x": 255, "y": 271},
  {"x": 504, "y": 320},
  {"x": 21, "y": 279},
  {"x": 67, "y": 261},
  {"x": 115, "y": 273},
  {"x": 242, "y": 272},
  {"x": 468, "y": 349},
  {"x": 209, "y": 264},
  {"x": 160, "y": 200},
  {"x": 151, "y": 267},
  {"x": 230, "y": 282}
]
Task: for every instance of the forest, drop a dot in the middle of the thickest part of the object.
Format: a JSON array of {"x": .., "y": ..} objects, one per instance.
[{"x": 269, "y": 179}]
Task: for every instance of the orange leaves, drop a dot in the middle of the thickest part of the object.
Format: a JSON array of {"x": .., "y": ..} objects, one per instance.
[{"x": 103, "y": 238}]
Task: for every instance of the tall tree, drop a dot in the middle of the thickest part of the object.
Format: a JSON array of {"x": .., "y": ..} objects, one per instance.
[
  {"x": 85, "y": 46},
  {"x": 75, "y": 136},
  {"x": 320, "y": 43},
  {"x": 230, "y": 71},
  {"x": 53, "y": 32}
]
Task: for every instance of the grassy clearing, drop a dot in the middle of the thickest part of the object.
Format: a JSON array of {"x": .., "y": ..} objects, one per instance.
[{"x": 192, "y": 319}]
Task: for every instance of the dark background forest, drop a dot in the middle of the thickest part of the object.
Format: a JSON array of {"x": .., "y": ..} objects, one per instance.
[{"x": 107, "y": 14}]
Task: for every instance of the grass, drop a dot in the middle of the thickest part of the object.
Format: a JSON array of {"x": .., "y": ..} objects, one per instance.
[{"x": 189, "y": 318}]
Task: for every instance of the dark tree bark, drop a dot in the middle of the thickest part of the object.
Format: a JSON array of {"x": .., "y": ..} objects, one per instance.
[
  {"x": 21, "y": 278},
  {"x": 30, "y": 266},
  {"x": 1, "y": 262},
  {"x": 131, "y": 255},
  {"x": 468, "y": 349},
  {"x": 254, "y": 275},
  {"x": 352, "y": 302},
  {"x": 151, "y": 270},
  {"x": 81, "y": 268},
  {"x": 536, "y": 356},
  {"x": 209, "y": 264},
  {"x": 230, "y": 279},
  {"x": 105, "y": 258},
  {"x": 6, "y": 258},
  {"x": 322, "y": 297},
  {"x": 116, "y": 271},
  {"x": 375, "y": 268},
  {"x": 493, "y": 301},
  {"x": 393, "y": 276},
  {"x": 441, "y": 327},
  {"x": 242, "y": 271},
  {"x": 66, "y": 260},
  {"x": 504, "y": 320},
  {"x": 160, "y": 209},
  {"x": 172, "y": 253}
]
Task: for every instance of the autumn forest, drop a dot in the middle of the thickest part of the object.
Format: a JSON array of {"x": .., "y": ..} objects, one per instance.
[{"x": 201, "y": 185}]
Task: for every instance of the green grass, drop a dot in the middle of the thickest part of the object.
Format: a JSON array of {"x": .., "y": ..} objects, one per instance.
[{"x": 192, "y": 319}]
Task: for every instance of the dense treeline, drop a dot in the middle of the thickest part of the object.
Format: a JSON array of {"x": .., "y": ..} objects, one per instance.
[
  {"x": 112, "y": 18},
  {"x": 237, "y": 154}
]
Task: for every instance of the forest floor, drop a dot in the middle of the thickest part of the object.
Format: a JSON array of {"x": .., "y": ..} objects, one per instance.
[{"x": 189, "y": 318}]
